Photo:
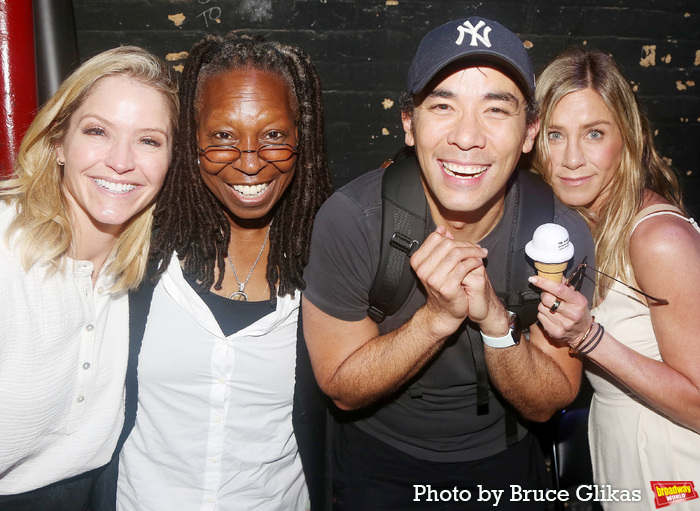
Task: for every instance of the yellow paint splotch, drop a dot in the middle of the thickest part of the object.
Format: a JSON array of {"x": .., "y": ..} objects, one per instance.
[
  {"x": 182, "y": 55},
  {"x": 177, "y": 19},
  {"x": 649, "y": 58}
]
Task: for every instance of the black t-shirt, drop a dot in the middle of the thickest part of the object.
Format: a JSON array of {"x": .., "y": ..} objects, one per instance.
[{"x": 443, "y": 424}]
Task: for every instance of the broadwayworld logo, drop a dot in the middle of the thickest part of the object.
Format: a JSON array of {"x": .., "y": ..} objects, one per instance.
[{"x": 670, "y": 492}]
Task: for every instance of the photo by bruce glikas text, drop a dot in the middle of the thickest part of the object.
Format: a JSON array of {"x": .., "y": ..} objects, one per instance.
[{"x": 584, "y": 493}]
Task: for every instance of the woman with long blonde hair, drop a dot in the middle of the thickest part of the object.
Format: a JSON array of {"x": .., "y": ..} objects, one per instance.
[
  {"x": 640, "y": 342},
  {"x": 75, "y": 222}
]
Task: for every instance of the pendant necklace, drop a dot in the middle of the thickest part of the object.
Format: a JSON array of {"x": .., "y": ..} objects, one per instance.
[{"x": 240, "y": 295}]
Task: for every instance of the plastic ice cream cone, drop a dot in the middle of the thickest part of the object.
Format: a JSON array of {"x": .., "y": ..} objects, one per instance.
[{"x": 551, "y": 250}]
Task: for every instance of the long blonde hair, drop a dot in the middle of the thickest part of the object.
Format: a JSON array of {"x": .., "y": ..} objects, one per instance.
[
  {"x": 42, "y": 230},
  {"x": 641, "y": 166}
]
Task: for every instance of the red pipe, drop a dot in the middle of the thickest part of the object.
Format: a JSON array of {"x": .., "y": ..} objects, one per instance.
[{"x": 18, "y": 99}]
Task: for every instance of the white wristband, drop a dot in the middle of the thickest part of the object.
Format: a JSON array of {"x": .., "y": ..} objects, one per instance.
[
  {"x": 499, "y": 342},
  {"x": 512, "y": 338}
]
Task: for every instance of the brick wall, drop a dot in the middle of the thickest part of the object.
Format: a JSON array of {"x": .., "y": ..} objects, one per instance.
[{"x": 362, "y": 49}]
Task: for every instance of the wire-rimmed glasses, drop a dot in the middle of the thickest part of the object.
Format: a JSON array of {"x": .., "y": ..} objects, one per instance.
[
  {"x": 576, "y": 279},
  {"x": 280, "y": 155}
]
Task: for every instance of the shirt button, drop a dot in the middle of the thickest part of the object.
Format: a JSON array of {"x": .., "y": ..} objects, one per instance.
[
  {"x": 221, "y": 380},
  {"x": 81, "y": 399},
  {"x": 210, "y": 500},
  {"x": 218, "y": 420},
  {"x": 90, "y": 327},
  {"x": 213, "y": 460},
  {"x": 86, "y": 365},
  {"x": 100, "y": 290}
]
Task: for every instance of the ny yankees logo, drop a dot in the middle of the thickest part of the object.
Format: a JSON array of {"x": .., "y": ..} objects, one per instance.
[{"x": 468, "y": 28}]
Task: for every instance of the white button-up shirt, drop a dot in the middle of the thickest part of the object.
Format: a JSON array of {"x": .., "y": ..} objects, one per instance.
[
  {"x": 214, "y": 424},
  {"x": 63, "y": 357}
]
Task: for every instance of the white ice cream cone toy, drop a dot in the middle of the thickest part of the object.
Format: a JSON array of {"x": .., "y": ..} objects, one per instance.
[{"x": 551, "y": 251}]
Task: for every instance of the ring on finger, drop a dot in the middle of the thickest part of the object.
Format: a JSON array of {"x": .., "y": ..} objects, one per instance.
[{"x": 555, "y": 305}]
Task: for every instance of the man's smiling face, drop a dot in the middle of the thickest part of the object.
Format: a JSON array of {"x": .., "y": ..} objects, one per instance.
[{"x": 468, "y": 132}]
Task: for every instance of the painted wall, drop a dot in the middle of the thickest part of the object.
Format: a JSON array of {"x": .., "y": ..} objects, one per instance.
[{"x": 362, "y": 49}]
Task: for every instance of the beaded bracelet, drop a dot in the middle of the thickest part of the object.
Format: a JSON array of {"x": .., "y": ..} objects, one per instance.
[
  {"x": 598, "y": 337},
  {"x": 590, "y": 327}
]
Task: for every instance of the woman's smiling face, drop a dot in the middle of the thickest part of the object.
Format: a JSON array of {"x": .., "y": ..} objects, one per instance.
[
  {"x": 585, "y": 145},
  {"x": 246, "y": 108},
  {"x": 116, "y": 153}
]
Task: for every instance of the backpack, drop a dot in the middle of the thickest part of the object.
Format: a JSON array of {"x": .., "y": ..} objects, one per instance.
[{"x": 406, "y": 224}]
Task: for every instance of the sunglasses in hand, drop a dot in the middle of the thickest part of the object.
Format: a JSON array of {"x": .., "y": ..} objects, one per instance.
[{"x": 576, "y": 279}]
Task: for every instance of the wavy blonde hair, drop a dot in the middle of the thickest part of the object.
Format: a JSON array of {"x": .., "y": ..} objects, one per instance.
[
  {"x": 43, "y": 229},
  {"x": 641, "y": 166}
]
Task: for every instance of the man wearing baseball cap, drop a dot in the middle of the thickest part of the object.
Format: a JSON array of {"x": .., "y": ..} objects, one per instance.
[{"x": 417, "y": 423}]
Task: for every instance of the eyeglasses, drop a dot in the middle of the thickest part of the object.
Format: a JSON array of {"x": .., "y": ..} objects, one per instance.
[
  {"x": 576, "y": 279},
  {"x": 227, "y": 154}
]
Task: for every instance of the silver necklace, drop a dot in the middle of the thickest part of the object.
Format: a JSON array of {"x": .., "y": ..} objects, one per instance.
[{"x": 240, "y": 295}]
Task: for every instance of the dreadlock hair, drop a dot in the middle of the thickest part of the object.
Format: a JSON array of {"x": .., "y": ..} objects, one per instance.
[{"x": 190, "y": 220}]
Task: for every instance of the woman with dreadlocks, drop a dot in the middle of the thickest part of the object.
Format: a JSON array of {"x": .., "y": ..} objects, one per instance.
[{"x": 217, "y": 365}]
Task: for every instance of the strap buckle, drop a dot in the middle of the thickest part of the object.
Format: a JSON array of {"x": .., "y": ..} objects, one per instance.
[
  {"x": 376, "y": 314},
  {"x": 403, "y": 243}
]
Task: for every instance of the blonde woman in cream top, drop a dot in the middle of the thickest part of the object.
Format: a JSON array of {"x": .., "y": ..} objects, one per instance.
[{"x": 641, "y": 341}]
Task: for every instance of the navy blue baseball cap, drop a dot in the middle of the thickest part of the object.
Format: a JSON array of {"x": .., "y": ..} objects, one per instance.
[{"x": 475, "y": 37}]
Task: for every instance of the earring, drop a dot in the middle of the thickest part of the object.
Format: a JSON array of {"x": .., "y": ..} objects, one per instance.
[
  {"x": 198, "y": 162},
  {"x": 60, "y": 163}
]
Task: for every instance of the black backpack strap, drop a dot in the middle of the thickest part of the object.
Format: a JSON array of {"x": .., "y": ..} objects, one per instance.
[
  {"x": 139, "y": 308},
  {"x": 404, "y": 227},
  {"x": 104, "y": 487},
  {"x": 482, "y": 374},
  {"x": 534, "y": 206}
]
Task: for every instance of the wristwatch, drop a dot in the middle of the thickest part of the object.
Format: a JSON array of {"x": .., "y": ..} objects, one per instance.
[{"x": 512, "y": 338}]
